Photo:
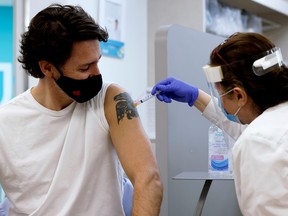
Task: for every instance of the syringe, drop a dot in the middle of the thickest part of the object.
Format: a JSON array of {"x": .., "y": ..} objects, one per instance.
[{"x": 146, "y": 98}]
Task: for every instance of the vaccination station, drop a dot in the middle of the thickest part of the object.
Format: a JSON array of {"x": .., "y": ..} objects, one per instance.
[{"x": 144, "y": 108}]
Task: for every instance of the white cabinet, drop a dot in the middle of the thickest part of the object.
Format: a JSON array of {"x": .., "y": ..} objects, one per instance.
[{"x": 274, "y": 13}]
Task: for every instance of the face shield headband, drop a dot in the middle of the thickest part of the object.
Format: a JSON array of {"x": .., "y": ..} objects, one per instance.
[
  {"x": 272, "y": 60},
  {"x": 265, "y": 63}
]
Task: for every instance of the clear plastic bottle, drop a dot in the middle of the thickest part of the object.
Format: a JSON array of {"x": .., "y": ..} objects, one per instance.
[
  {"x": 219, "y": 152},
  {"x": 2, "y": 194}
]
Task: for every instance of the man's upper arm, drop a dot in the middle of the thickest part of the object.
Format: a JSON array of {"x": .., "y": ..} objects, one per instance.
[{"x": 128, "y": 135}]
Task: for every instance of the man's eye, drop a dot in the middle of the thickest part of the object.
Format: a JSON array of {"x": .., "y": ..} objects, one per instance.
[{"x": 84, "y": 69}]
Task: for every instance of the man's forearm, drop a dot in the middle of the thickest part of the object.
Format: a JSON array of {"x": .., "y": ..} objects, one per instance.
[{"x": 147, "y": 197}]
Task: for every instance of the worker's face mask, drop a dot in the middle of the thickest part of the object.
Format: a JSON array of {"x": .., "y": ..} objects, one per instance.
[
  {"x": 80, "y": 90},
  {"x": 231, "y": 117}
]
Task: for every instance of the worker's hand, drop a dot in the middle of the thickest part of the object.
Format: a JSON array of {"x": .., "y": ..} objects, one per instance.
[{"x": 171, "y": 88}]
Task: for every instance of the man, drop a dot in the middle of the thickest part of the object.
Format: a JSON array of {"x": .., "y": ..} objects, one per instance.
[{"x": 61, "y": 139}]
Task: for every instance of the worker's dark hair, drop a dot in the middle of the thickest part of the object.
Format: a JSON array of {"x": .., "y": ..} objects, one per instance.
[{"x": 238, "y": 53}]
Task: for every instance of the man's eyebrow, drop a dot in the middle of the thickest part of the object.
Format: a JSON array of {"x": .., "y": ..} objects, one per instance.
[{"x": 89, "y": 63}]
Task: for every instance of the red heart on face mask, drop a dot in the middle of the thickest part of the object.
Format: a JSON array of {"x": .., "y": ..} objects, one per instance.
[{"x": 77, "y": 93}]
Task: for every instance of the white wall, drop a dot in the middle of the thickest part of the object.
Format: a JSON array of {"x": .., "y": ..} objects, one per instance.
[
  {"x": 188, "y": 13},
  {"x": 279, "y": 37}
]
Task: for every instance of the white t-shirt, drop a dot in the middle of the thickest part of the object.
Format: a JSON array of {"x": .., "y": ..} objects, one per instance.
[{"x": 59, "y": 162}]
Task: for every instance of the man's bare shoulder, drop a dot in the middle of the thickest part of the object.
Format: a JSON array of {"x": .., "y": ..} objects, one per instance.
[{"x": 118, "y": 103}]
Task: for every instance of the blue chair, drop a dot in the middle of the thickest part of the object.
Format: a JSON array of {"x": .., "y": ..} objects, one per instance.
[
  {"x": 127, "y": 199},
  {"x": 4, "y": 207}
]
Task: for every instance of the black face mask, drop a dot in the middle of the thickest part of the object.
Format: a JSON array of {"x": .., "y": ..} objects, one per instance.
[{"x": 80, "y": 90}]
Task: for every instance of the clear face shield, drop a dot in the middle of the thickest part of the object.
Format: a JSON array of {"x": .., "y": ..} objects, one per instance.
[
  {"x": 273, "y": 59},
  {"x": 264, "y": 63}
]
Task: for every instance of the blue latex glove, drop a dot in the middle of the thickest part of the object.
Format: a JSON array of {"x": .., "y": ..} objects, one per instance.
[{"x": 171, "y": 88}]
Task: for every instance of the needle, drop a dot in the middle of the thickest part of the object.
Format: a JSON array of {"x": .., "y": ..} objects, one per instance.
[{"x": 146, "y": 98}]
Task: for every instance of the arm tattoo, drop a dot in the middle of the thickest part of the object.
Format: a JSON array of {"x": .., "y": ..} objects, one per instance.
[{"x": 124, "y": 106}]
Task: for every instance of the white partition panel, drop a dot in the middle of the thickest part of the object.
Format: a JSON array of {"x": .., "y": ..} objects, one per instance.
[{"x": 181, "y": 131}]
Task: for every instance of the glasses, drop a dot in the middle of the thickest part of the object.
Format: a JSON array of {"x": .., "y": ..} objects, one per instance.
[
  {"x": 216, "y": 53},
  {"x": 226, "y": 93},
  {"x": 216, "y": 50}
]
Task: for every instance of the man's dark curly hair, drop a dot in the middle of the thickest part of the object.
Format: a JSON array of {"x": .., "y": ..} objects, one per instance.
[{"x": 51, "y": 35}]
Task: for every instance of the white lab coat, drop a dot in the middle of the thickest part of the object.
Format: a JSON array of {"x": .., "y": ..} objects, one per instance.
[
  {"x": 260, "y": 161},
  {"x": 218, "y": 118}
]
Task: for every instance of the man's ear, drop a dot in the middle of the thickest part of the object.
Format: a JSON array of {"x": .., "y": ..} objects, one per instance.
[
  {"x": 241, "y": 96},
  {"x": 46, "y": 68}
]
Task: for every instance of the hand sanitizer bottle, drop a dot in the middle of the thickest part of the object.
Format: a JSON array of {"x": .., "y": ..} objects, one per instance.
[{"x": 219, "y": 152}]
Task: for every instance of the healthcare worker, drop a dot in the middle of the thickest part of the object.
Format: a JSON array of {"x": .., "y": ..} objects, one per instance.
[{"x": 248, "y": 83}]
